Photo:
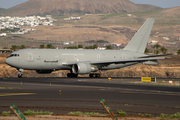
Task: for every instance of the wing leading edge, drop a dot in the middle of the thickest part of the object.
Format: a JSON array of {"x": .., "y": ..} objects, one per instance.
[{"x": 107, "y": 62}]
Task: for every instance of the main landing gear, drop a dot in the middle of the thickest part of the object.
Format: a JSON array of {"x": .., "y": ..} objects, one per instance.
[
  {"x": 94, "y": 75},
  {"x": 20, "y": 75},
  {"x": 72, "y": 75}
]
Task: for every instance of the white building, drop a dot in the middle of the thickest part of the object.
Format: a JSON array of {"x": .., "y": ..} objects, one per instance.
[
  {"x": 166, "y": 38},
  {"x": 20, "y": 22},
  {"x": 3, "y": 34},
  {"x": 153, "y": 42}
]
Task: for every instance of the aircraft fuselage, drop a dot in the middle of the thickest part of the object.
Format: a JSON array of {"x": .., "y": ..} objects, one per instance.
[{"x": 55, "y": 59}]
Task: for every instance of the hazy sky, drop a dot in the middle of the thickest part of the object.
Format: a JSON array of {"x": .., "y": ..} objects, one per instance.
[
  {"x": 10, "y": 3},
  {"x": 160, "y": 3}
]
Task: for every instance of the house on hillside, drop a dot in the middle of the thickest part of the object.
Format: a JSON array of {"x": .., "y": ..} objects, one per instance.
[
  {"x": 3, "y": 34},
  {"x": 153, "y": 42}
]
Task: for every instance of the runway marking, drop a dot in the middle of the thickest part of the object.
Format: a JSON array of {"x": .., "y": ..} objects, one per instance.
[
  {"x": 10, "y": 94},
  {"x": 150, "y": 93}
]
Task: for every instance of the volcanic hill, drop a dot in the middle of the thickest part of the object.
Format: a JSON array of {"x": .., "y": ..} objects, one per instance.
[{"x": 68, "y": 7}]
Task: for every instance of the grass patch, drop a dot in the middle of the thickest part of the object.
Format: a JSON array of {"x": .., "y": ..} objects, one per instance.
[
  {"x": 148, "y": 115},
  {"x": 176, "y": 115},
  {"x": 86, "y": 113},
  {"x": 177, "y": 107},
  {"x": 16, "y": 88},
  {"x": 126, "y": 104},
  {"x": 6, "y": 87},
  {"x": 6, "y": 113},
  {"x": 32, "y": 112},
  {"x": 141, "y": 115},
  {"x": 121, "y": 113}
]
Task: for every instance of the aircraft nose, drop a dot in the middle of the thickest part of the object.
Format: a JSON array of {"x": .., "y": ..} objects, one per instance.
[{"x": 8, "y": 61}]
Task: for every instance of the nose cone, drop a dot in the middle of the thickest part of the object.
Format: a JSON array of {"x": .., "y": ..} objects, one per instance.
[{"x": 8, "y": 61}]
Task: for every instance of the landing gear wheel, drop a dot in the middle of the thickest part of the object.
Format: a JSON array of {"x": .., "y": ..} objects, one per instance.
[
  {"x": 69, "y": 75},
  {"x": 72, "y": 75},
  {"x": 20, "y": 75},
  {"x": 98, "y": 75},
  {"x": 94, "y": 75},
  {"x": 90, "y": 75},
  {"x": 75, "y": 75}
]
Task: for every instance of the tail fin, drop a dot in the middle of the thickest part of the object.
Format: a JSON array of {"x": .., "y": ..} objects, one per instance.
[{"x": 139, "y": 41}]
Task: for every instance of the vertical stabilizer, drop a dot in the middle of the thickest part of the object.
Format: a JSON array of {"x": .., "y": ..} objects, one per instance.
[{"x": 139, "y": 41}]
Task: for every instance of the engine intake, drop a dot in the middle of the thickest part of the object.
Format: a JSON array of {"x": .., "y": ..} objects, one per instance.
[{"x": 83, "y": 68}]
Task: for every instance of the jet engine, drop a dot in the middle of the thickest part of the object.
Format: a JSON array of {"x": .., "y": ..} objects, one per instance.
[
  {"x": 43, "y": 71},
  {"x": 83, "y": 68},
  {"x": 152, "y": 62}
]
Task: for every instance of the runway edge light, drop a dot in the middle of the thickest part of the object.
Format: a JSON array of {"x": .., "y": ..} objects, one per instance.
[
  {"x": 17, "y": 112},
  {"x": 104, "y": 104}
]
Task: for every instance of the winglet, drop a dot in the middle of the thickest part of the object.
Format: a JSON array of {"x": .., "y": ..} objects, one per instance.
[{"x": 139, "y": 41}]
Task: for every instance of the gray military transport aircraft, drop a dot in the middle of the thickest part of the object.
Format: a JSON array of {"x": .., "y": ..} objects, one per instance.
[{"x": 85, "y": 61}]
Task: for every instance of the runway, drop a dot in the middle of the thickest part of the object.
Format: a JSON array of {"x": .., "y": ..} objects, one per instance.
[{"x": 64, "y": 95}]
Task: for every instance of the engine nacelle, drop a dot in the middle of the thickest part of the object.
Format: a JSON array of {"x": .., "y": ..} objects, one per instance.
[
  {"x": 154, "y": 62},
  {"x": 83, "y": 68},
  {"x": 44, "y": 71}
]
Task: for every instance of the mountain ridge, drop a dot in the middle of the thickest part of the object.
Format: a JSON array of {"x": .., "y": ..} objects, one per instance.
[{"x": 68, "y": 7}]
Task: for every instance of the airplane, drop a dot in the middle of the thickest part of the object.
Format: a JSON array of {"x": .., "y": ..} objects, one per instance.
[{"x": 83, "y": 61}]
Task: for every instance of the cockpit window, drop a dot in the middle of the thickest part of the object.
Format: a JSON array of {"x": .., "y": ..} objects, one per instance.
[{"x": 14, "y": 55}]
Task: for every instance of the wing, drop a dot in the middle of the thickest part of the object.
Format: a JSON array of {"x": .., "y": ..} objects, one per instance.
[
  {"x": 107, "y": 62},
  {"x": 148, "y": 56}
]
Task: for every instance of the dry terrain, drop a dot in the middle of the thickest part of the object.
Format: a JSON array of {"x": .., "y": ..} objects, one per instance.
[
  {"x": 111, "y": 27},
  {"x": 114, "y": 28},
  {"x": 67, "y": 33},
  {"x": 47, "y": 117}
]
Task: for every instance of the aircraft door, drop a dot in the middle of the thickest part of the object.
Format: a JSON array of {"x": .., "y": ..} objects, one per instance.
[
  {"x": 76, "y": 57},
  {"x": 98, "y": 57},
  {"x": 30, "y": 57},
  {"x": 124, "y": 56}
]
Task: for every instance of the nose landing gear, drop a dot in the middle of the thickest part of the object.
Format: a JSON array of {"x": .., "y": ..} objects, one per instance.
[{"x": 20, "y": 75}]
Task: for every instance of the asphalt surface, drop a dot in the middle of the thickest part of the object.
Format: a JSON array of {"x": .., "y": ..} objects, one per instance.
[{"x": 64, "y": 95}]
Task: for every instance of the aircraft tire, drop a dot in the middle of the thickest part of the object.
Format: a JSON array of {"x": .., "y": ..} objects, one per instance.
[
  {"x": 72, "y": 75},
  {"x": 20, "y": 75},
  {"x": 94, "y": 75},
  {"x": 75, "y": 75},
  {"x": 98, "y": 75},
  {"x": 90, "y": 75},
  {"x": 69, "y": 75}
]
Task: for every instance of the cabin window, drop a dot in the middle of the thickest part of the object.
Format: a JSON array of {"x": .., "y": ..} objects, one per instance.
[{"x": 14, "y": 55}]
